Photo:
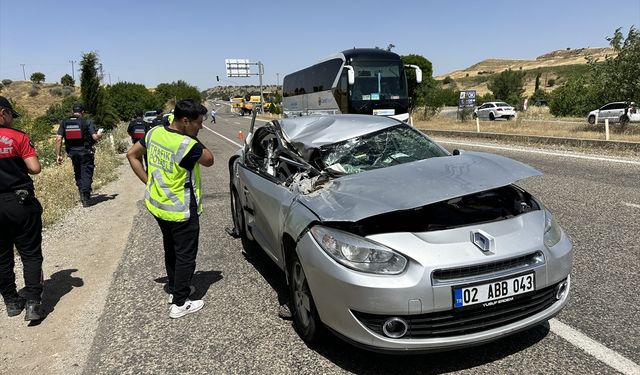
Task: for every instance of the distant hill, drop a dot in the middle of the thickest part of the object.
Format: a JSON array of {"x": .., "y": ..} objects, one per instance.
[
  {"x": 44, "y": 95},
  {"x": 226, "y": 92},
  {"x": 556, "y": 65}
]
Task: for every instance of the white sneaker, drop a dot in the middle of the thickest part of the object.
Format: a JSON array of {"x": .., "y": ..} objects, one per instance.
[
  {"x": 192, "y": 289},
  {"x": 189, "y": 307}
]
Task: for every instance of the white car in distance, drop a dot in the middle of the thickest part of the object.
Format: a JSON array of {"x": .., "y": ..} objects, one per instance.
[{"x": 494, "y": 110}]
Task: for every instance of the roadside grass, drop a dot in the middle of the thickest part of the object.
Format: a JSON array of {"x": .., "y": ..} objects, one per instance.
[
  {"x": 549, "y": 128},
  {"x": 55, "y": 185}
]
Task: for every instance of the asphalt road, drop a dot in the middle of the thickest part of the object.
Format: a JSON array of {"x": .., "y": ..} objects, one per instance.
[{"x": 238, "y": 330}]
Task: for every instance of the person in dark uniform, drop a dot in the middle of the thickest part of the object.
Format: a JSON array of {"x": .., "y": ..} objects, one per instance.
[
  {"x": 137, "y": 129},
  {"x": 20, "y": 218},
  {"x": 160, "y": 119},
  {"x": 79, "y": 137}
]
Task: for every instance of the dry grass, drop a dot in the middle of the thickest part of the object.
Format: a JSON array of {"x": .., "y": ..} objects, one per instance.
[
  {"x": 36, "y": 105},
  {"x": 628, "y": 133},
  {"x": 55, "y": 185}
]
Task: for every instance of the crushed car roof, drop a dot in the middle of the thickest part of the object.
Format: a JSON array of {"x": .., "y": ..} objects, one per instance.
[
  {"x": 311, "y": 132},
  {"x": 412, "y": 185}
]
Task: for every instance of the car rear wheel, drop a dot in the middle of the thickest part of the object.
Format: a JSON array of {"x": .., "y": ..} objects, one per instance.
[
  {"x": 491, "y": 116},
  {"x": 624, "y": 119},
  {"x": 474, "y": 115},
  {"x": 303, "y": 310},
  {"x": 238, "y": 215},
  {"x": 592, "y": 119}
]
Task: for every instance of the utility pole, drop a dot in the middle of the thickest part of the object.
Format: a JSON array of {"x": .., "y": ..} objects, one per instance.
[
  {"x": 73, "y": 71},
  {"x": 24, "y": 75},
  {"x": 277, "y": 79},
  {"x": 260, "y": 73}
]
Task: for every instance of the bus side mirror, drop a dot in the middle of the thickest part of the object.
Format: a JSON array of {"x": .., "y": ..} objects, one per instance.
[
  {"x": 418, "y": 72},
  {"x": 351, "y": 75}
]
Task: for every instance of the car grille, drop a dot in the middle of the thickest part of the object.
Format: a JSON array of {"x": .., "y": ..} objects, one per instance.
[
  {"x": 513, "y": 264},
  {"x": 466, "y": 321}
]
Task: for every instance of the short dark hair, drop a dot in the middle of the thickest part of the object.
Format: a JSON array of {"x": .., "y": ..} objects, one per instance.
[{"x": 190, "y": 109}]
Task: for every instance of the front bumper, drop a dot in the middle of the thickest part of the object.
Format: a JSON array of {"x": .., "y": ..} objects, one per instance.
[{"x": 351, "y": 303}]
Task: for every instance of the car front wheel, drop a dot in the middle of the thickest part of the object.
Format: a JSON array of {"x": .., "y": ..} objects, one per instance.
[
  {"x": 592, "y": 119},
  {"x": 491, "y": 116},
  {"x": 303, "y": 310},
  {"x": 238, "y": 215}
]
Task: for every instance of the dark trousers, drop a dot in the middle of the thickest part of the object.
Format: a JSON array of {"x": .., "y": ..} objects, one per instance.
[
  {"x": 83, "y": 166},
  {"x": 180, "y": 241},
  {"x": 21, "y": 225}
]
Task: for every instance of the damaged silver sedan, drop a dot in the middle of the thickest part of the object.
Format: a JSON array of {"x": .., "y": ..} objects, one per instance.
[{"x": 393, "y": 243}]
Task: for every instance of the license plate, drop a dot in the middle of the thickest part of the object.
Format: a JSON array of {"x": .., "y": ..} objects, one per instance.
[{"x": 494, "y": 292}]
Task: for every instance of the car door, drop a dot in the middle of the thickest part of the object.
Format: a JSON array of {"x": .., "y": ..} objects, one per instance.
[
  {"x": 483, "y": 112},
  {"x": 605, "y": 112},
  {"x": 267, "y": 201}
]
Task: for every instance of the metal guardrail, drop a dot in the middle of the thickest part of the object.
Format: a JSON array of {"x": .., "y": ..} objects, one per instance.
[{"x": 580, "y": 142}]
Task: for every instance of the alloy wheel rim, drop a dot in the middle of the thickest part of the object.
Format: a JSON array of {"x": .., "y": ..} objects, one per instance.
[{"x": 301, "y": 296}]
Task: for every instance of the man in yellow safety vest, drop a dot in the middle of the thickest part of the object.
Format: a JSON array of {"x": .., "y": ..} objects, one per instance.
[{"x": 174, "y": 196}]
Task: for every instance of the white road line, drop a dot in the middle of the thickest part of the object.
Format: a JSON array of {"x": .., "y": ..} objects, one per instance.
[
  {"x": 631, "y": 205},
  {"x": 542, "y": 152},
  {"x": 223, "y": 137},
  {"x": 594, "y": 348}
]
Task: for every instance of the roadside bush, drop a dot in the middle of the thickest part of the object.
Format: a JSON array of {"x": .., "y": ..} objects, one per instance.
[
  {"x": 7, "y": 82},
  {"x": 56, "y": 91},
  {"x": 66, "y": 91},
  {"x": 177, "y": 91},
  {"x": 447, "y": 80},
  {"x": 33, "y": 91},
  {"x": 551, "y": 82}
]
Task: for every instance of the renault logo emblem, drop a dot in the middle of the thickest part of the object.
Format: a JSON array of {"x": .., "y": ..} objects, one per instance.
[{"x": 482, "y": 240}]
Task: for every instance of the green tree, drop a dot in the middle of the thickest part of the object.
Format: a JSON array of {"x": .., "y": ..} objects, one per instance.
[
  {"x": 619, "y": 76},
  {"x": 508, "y": 86},
  {"x": 66, "y": 80},
  {"x": 177, "y": 91},
  {"x": 572, "y": 99},
  {"x": 37, "y": 77},
  {"x": 89, "y": 81},
  {"x": 126, "y": 97},
  {"x": 105, "y": 116},
  {"x": 427, "y": 80}
]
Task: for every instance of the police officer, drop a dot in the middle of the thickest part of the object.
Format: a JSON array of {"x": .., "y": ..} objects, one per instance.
[
  {"x": 174, "y": 195},
  {"x": 79, "y": 137},
  {"x": 137, "y": 127},
  {"x": 160, "y": 119},
  {"x": 20, "y": 218}
]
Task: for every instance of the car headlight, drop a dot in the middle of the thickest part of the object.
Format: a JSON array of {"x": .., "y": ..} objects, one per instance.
[
  {"x": 552, "y": 231},
  {"x": 358, "y": 253}
]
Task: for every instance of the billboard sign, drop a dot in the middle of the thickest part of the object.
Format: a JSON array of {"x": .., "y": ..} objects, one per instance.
[{"x": 237, "y": 67}]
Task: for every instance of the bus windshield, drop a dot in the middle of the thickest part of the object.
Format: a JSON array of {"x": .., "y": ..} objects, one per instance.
[{"x": 378, "y": 80}]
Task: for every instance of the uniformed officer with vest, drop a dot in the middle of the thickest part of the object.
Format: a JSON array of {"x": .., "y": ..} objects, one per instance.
[
  {"x": 79, "y": 137},
  {"x": 174, "y": 195},
  {"x": 160, "y": 119},
  {"x": 137, "y": 129},
  {"x": 20, "y": 218}
]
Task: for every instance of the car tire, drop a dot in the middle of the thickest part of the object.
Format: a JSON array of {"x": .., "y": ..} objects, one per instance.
[
  {"x": 491, "y": 116},
  {"x": 591, "y": 120},
  {"x": 237, "y": 214},
  {"x": 624, "y": 119},
  {"x": 474, "y": 116},
  {"x": 303, "y": 310}
]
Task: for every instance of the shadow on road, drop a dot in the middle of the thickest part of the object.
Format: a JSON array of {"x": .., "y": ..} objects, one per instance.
[
  {"x": 202, "y": 280},
  {"x": 360, "y": 361},
  {"x": 55, "y": 287},
  {"x": 99, "y": 198}
]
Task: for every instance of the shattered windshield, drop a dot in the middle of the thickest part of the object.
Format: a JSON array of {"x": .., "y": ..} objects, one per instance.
[{"x": 395, "y": 145}]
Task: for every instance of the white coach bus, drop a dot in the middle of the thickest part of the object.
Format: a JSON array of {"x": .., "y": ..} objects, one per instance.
[{"x": 360, "y": 80}]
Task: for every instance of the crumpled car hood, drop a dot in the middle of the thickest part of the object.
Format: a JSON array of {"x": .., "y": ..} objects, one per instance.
[{"x": 412, "y": 185}]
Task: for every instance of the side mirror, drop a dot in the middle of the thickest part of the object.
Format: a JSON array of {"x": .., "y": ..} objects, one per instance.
[
  {"x": 418, "y": 72},
  {"x": 351, "y": 75}
]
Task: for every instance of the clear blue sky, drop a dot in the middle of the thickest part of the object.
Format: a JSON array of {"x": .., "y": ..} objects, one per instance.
[{"x": 152, "y": 42}]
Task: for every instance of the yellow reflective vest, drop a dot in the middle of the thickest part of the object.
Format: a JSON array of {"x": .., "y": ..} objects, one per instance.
[{"x": 168, "y": 192}]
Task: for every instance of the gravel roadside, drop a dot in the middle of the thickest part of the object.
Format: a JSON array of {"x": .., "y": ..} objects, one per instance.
[{"x": 81, "y": 253}]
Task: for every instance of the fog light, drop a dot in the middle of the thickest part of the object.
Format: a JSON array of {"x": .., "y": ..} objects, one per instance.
[
  {"x": 395, "y": 327},
  {"x": 562, "y": 288}
]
